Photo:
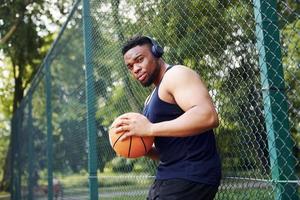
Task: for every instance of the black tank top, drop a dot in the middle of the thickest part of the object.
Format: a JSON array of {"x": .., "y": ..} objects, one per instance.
[{"x": 193, "y": 158}]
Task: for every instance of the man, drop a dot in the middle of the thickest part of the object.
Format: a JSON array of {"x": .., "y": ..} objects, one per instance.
[{"x": 180, "y": 115}]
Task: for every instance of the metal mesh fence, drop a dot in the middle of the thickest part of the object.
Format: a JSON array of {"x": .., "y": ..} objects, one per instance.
[{"x": 246, "y": 52}]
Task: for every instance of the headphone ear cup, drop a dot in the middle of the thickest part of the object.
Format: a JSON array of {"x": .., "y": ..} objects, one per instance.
[{"x": 157, "y": 50}]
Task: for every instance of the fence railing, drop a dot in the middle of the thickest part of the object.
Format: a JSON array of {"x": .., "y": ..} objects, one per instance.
[{"x": 247, "y": 53}]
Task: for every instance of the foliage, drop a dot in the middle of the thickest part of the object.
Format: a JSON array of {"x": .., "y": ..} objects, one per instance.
[
  {"x": 120, "y": 164},
  {"x": 215, "y": 38},
  {"x": 24, "y": 43},
  {"x": 3, "y": 151},
  {"x": 145, "y": 165}
]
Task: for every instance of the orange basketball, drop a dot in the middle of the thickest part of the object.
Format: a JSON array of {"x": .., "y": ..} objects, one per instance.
[{"x": 131, "y": 147}]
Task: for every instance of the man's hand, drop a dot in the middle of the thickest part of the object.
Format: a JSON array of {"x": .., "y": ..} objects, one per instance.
[{"x": 132, "y": 124}]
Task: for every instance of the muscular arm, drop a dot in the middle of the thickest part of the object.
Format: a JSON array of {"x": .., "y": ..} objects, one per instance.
[{"x": 189, "y": 92}]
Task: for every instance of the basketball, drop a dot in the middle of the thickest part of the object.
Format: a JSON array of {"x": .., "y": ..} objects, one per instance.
[{"x": 131, "y": 147}]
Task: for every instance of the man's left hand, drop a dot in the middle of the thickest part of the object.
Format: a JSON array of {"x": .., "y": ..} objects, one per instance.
[{"x": 133, "y": 124}]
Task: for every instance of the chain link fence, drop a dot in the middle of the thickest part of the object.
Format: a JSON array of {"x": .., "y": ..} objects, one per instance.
[{"x": 247, "y": 53}]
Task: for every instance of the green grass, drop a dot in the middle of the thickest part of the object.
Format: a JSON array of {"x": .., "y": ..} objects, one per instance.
[
  {"x": 104, "y": 179},
  {"x": 127, "y": 186},
  {"x": 139, "y": 197},
  {"x": 139, "y": 192},
  {"x": 122, "y": 193},
  {"x": 4, "y": 196},
  {"x": 246, "y": 194}
]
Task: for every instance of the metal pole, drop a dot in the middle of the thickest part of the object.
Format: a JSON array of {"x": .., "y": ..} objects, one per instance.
[
  {"x": 49, "y": 129},
  {"x": 13, "y": 157},
  {"x": 18, "y": 153},
  {"x": 15, "y": 188},
  {"x": 30, "y": 149},
  {"x": 275, "y": 103},
  {"x": 90, "y": 101}
]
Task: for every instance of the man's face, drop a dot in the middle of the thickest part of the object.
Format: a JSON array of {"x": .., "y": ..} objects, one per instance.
[{"x": 142, "y": 64}]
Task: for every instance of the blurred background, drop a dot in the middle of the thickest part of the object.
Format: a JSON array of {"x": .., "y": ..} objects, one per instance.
[{"x": 63, "y": 81}]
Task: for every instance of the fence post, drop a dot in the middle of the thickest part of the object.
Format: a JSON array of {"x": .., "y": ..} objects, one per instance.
[
  {"x": 49, "y": 128},
  {"x": 30, "y": 149},
  {"x": 275, "y": 103},
  {"x": 15, "y": 157},
  {"x": 12, "y": 159},
  {"x": 18, "y": 150},
  {"x": 90, "y": 101}
]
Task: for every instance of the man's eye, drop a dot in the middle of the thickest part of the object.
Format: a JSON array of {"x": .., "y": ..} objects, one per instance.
[{"x": 140, "y": 59}]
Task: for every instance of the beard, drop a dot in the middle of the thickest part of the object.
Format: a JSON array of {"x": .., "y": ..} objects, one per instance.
[{"x": 152, "y": 76}]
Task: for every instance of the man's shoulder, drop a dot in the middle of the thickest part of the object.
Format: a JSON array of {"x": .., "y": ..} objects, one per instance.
[
  {"x": 178, "y": 72},
  {"x": 178, "y": 76},
  {"x": 179, "y": 67}
]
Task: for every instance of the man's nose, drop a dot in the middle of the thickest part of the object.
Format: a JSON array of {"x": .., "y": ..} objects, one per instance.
[{"x": 136, "y": 68}]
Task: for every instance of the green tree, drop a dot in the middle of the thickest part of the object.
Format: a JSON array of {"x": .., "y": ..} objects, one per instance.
[
  {"x": 217, "y": 39},
  {"x": 22, "y": 39}
]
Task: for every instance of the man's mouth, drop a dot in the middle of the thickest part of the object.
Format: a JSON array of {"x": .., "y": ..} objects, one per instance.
[{"x": 142, "y": 77}]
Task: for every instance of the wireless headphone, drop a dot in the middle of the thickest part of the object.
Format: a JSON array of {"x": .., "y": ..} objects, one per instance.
[{"x": 156, "y": 49}]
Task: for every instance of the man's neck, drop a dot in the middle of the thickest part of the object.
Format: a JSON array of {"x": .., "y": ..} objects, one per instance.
[{"x": 163, "y": 67}]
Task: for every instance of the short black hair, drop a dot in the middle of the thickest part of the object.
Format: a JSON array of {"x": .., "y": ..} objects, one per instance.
[{"x": 134, "y": 41}]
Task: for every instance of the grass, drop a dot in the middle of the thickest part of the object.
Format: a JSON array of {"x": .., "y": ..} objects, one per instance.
[
  {"x": 127, "y": 186},
  {"x": 105, "y": 180},
  {"x": 139, "y": 197},
  {"x": 122, "y": 193},
  {"x": 111, "y": 186},
  {"x": 4, "y": 196},
  {"x": 246, "y": 194}
]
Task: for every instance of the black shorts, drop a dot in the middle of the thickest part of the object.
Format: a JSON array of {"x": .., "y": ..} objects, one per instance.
[{"x": 179, "y": 189}]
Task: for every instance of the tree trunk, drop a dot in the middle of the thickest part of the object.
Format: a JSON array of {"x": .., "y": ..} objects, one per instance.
[{"x": 5, "y": 183}]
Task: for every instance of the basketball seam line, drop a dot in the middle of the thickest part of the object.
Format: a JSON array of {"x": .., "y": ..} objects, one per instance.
[
  {"x": 144, "y": 144},
  {"x": 129, "y": 147},
  {"x": 117, "y": 140}
]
